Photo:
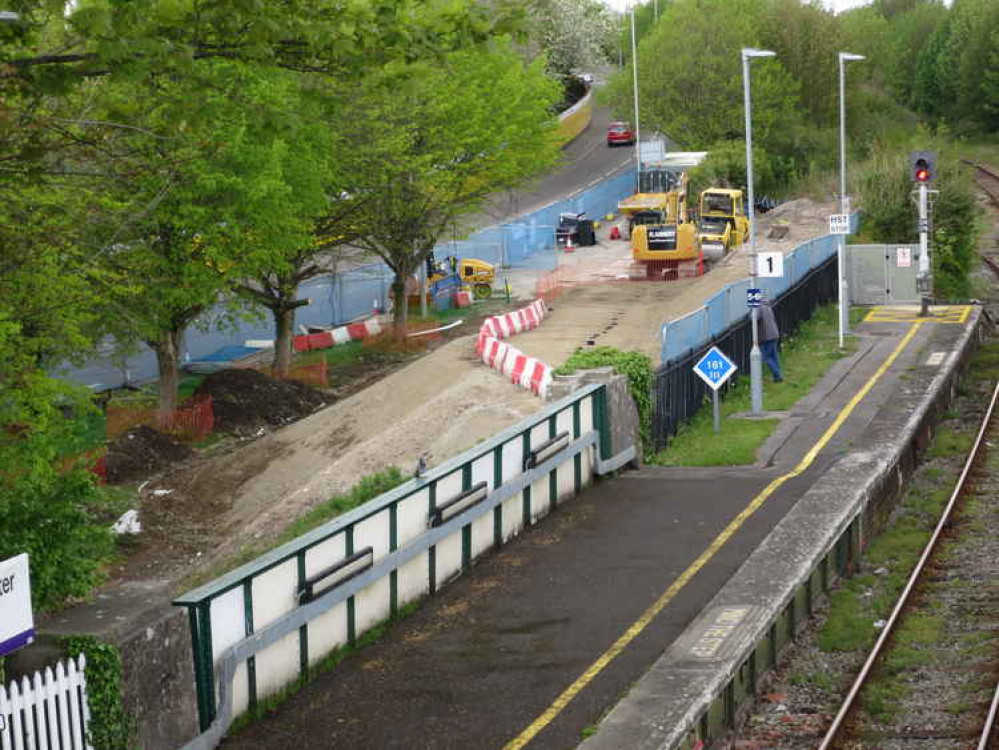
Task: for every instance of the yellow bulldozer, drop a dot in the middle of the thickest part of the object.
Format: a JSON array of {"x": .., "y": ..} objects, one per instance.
[
  {"x": 722, "y": 225},
  {"x": 663, "y": 238}
]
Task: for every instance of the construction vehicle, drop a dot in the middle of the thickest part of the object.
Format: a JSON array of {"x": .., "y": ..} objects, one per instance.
[
  {"x": 723, "y": 225},
  {"x": 477, "y": 275},
  {"x": 663, "y": 237}
]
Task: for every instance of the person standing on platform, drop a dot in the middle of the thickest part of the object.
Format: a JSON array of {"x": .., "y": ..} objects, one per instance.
[{"x": 769, "y": 339}]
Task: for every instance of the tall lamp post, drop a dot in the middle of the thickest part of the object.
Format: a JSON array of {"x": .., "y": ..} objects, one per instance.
[
  {"x": 755, "y": 360},
  {"x": 638, "y": 132},
  {"x": 844, "y": 200}
]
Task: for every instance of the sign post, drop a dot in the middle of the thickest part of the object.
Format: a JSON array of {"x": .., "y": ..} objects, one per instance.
[
  {"x": 714, "y": 368},
  {"x": 839, "y": 225},
  {"x": 17, "y": 626}
]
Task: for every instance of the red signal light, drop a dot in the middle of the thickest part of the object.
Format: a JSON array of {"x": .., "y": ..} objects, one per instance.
[{"x": 922, "y": 175}]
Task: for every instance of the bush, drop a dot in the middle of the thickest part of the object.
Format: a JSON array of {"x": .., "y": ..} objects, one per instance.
[
  {"x": 635, "y": 366},
  {"x": 56, "y": 520}
]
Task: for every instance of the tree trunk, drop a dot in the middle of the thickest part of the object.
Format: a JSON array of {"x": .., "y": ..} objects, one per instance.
[
  {"x": 167, "y": 349},
  {"x": 284, "y": 325},
  {"x": 401, "y": 307}
]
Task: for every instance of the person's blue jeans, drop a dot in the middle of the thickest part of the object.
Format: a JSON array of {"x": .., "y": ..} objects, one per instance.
[{"x": 769, "y": 351}]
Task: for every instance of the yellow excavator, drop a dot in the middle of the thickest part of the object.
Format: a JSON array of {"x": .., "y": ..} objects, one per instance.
[
  {"x": 663, "y": 237},
  {"x": 723, "y": 224}
]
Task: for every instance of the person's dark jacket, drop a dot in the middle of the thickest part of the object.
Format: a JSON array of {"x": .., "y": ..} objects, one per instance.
[{"x": 768, "y": 323}]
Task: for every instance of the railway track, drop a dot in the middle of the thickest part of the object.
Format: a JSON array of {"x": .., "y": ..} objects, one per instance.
[
  {"x": 987, "y": 179},
  {"x": 948, "y": 598}
]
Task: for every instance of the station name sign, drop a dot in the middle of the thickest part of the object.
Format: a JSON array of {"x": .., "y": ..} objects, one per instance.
[{"x": 17, "y": 626}]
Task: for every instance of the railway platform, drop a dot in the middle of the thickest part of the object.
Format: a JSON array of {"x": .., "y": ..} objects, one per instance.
[{"x": 657, "y": 599}]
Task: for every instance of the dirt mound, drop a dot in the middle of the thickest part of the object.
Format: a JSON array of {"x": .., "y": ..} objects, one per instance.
[
  {"x": 244, "y": 401},
  {"x": 140, "y": 453}
]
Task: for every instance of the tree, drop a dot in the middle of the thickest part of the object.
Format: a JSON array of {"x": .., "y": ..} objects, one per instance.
[
  {"x": 218, "y": 189},
  {"x": 574, "y": 35},
  {"x": 443, "y": 138},
  {"x": 690, "y": 79}
]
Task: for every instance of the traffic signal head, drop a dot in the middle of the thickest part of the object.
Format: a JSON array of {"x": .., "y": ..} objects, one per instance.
[{"x": 923, "y": 166}]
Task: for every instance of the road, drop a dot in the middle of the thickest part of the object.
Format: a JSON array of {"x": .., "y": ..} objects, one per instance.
[{"x": 337, "y": 299}]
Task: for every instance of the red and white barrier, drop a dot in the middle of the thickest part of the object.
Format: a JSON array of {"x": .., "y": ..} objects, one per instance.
[
  {"x": 505, "y": 326},
  {"x": 340, "y": 335},
  {"x": 525, "y": 371}
]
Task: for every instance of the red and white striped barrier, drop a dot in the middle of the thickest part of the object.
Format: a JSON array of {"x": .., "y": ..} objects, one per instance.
[
  {"x": 340, "y": 335},
  {"x": 505, "y": 326},
  {"x": 527, "y": 372}
]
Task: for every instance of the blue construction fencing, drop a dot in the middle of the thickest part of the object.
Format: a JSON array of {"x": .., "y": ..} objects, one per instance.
[
  {"x": 529, "y": 240},
  {"x": 728, "y": 306}
]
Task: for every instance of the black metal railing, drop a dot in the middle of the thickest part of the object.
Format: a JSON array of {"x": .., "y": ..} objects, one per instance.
[{"x": 678, "y": 392}]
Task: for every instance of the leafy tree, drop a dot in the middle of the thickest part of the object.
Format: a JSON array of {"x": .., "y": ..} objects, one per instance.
[
  {"x": 445, "y": 137},
  {"x": 218, "y": 188},
  {"x": 693, "y": 92},
  {"x": 574, "y": 35}
]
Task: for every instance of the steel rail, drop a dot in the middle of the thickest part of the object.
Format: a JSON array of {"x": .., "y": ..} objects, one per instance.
[
  {"x": 837, "y": 725},
  {"x": 986, "y": 185},
  {"x": 990, "y": 721}
]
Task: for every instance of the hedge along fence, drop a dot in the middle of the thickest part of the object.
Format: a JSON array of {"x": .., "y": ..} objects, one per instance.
[{"x": 263, "y": 625}]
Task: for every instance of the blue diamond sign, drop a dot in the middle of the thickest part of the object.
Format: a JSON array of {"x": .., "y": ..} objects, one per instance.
[{"x": 714, "y": 368}]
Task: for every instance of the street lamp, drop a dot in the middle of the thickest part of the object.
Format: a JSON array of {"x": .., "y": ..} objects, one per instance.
[
  {"x": 638, "y": 132},
  {"x": 755, "y": 361},
  {"x": 844, "y": 201}
]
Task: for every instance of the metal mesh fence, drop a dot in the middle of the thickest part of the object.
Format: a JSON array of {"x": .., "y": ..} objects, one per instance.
[{"x": 679, "y": 392}]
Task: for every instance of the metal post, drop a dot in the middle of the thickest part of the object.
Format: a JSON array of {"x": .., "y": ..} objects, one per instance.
[
  {"x": 638, "y": 132},
  {"x": 717, "y": 410},
  {"x": 844, "y": 205},
  {"x": 423, "y": 289},
  {"x": 755, "y": 358},
  {"x": 841, "y": 249},
  {"x": 655, "y": 6},
  {"x": 924, "y": 251}
]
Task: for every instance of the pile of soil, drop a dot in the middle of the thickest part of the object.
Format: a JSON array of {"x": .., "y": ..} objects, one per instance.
[
  {"x": 140, "y": 453},
  {"x": 244, "y": 401}
]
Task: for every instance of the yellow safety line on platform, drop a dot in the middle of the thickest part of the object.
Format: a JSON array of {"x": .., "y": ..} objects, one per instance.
[
  {"x": 948, "y": 314},
  {"x": 667, "y": 596}
]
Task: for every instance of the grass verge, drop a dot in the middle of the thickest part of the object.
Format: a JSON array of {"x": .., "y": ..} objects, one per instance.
[{"x": 805, "y": 358}]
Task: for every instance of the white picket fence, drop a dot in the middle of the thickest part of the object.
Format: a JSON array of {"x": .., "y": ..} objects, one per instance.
[{"x": 48, "y": 711}]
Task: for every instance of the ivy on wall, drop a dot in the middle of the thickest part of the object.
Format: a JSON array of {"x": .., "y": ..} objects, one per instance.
[
  {"x": 110, "y": 727},
  {"x": 636, "y": 366}
]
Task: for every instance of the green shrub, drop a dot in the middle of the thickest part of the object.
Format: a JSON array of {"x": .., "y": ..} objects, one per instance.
[{"x": 635, "y": 366}]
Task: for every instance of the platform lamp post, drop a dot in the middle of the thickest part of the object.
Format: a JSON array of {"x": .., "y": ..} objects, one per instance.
[
  {"x": 844, "y": 200},
  {"x": 638, "y": 132},
  {"x": 755, "y": 359}
]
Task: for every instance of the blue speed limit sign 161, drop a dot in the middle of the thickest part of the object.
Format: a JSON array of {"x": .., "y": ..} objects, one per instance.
[{"x": 714, "y": 368}]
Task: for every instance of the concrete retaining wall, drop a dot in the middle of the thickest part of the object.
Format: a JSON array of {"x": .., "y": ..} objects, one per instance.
[{"x": 694, "y": 693}]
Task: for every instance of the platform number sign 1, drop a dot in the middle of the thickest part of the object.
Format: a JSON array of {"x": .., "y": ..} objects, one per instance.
[
  {"x": 770, "y": 265},
  {"x": 714, "y": 368}
]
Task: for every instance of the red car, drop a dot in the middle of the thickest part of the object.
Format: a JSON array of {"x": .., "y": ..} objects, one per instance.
[{"x": 620, "y": 134}]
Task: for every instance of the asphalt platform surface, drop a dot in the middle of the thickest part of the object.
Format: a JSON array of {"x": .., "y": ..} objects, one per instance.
[{"x": 480, "y": 661}]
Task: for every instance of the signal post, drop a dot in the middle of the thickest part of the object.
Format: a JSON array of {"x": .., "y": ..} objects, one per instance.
[{"x": 923, "y": 171}]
